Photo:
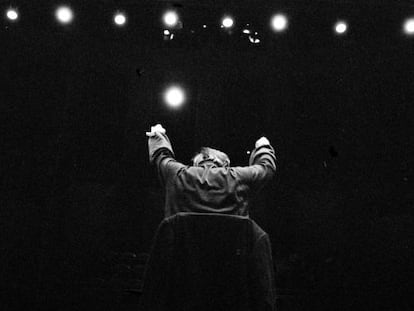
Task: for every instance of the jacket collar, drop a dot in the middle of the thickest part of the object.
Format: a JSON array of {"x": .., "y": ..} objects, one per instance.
[{"x": 207, "y": 163}]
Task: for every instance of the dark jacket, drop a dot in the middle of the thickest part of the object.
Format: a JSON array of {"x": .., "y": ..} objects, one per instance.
[
  {"x": 209, "y": 262},
  {"x": 208, "y": 188}
]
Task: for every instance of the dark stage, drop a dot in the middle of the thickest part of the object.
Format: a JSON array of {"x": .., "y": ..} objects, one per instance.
[{"x": 80, "y": 203}]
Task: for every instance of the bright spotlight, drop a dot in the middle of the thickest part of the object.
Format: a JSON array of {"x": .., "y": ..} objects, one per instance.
[
  {"x": 64, "y": 14},
  {"x": 341, "y": 27},
  {"x": 279, "y": 22},
  {"x": 120, "y": 19},
  {"x": 174, "y": 96},
  {"x": 227, "y": 22},
  {"x": 171, "y": 19},
  {"x": 12, "y": 14},
  {"x": 409, "y": 26}
]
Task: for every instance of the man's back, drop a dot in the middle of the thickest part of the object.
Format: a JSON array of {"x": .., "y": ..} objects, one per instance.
[
  {"x": 210, "y": 186},
  {"x": 207, "y": 189}
]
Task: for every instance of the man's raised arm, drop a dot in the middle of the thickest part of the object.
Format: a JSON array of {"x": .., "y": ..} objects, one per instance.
[
  {"x": 262, "y": 165},
  {"x": 161, "y": 153}
]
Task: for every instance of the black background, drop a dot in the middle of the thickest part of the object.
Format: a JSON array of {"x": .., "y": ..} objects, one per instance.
[{"x": 80, "y": 203}]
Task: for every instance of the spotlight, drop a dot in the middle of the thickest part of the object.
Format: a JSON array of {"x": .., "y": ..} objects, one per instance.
[
  {"x": 279, "y": 22},
  {"x": 174, "y": 96},
  {"x": 227, "y": 22},
  {"x": 12, "y": 14},
  {"x": 170, "y": 19},
  {"x": 409, "y": 26},
  {"x": 64, "y": 14},
  {"x": 120, "y": 19},
  {"x": 341, "y": 27}
]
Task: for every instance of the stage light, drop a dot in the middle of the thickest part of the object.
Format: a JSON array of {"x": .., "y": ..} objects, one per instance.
[
  {"x": 120, "y": 19},
  {"x": 409, "y": 26},
  {"x": 12, "y": 14},
  {"x": 174, "y": 96},
  {"x": 227, "y": 22},
  {"x": 279, "y": 22},
  {"x": 170, "y": 19},
  {"x": 341, "y": 27},
  {"x": 64, "y": 14}
]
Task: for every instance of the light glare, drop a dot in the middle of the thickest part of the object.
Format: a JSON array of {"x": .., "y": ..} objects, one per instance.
[
  {"x": 279, "y": 22},
  {"x": 120, "y": 19},
  {"x": 409, "y": 26},
  {"x": 12, "y": 14},
  {"x": 174, "y": 96},
  {"x": 227, "y": 22},
  {"x": 171, "y": 19},
  {"x": 341, "y": 27},
  {"x": 64, "y": 15}
]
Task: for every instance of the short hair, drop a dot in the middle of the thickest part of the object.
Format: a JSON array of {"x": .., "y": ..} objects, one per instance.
[{"x": 209, "y": 154}]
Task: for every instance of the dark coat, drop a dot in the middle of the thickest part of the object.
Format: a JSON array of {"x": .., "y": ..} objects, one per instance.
[{"x": 209, "y": 262}]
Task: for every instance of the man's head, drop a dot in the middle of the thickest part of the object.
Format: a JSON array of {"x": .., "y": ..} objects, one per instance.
[{"x": 209, "y": 154}]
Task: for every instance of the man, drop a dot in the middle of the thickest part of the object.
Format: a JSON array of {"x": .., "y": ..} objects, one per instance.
[{"x": 210, "y": 185}]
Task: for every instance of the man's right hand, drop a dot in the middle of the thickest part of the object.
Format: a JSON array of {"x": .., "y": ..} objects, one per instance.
[
  {"x": 156, "y": 129},
  {"x": 263, "y": 141}
]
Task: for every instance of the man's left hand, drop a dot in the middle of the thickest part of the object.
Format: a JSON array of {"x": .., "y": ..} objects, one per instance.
[{"x": 156, "y": 130}]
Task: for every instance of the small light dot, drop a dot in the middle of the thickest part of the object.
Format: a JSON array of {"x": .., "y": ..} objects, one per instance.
[
  {"x": 227, "y": 22},
  {"x": 279, "y": 22},
  {"x": 204, "y": 26},
  {"x": 409, "y": 26},
  {"x": 341, "y": 27},
  {"x": 12, "y": 15},
  {"x": 166, "y": 32},
  {"x": 120, "y": 19},
  {"x": 171, "y": 19},
  {"x": 64, "y": 15},
  {"x": 174, "y": 96}
]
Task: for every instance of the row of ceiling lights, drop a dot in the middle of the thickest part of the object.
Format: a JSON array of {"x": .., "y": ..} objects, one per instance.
[{"x": 278, "y": 23}]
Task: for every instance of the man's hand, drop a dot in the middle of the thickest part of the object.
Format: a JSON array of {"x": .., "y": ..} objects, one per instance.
[
  {"x": 263, "y": 141},
  {"x": 156, "y": 130}
]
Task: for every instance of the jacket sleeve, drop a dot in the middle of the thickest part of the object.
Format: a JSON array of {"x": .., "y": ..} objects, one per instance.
[
  {"x": 162, "y": 156},
  {"x": 262, "y": 167}
]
